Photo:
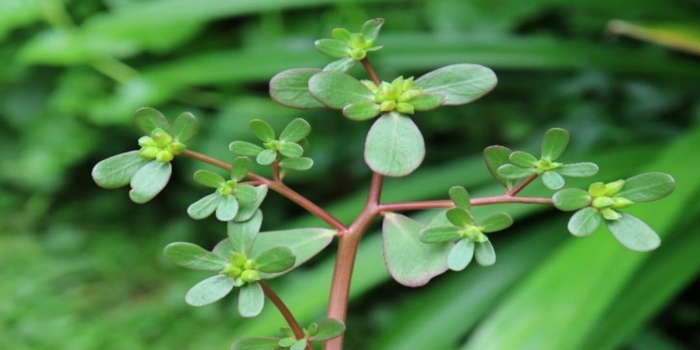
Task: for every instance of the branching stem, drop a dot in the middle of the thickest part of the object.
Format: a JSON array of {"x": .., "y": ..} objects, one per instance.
[{"x": 279, "y": 304}]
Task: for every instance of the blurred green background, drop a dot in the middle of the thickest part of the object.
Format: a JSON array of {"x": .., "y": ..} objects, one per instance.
[{"x": 81, "y": 267}]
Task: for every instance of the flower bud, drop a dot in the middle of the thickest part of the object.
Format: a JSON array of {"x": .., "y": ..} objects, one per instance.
[
  {"x": 161, "y": 137},
  {"x": 614, "y": 187},
  {"x": 233, "y": 271},
  {"x": 603, "y": 202},
  {"x": 176, "y": 147},
  {"x": 164, "y": 156},
  {"x": 597, "y": 189},
  {"x": 146, "y": 141},
  {"x": 610, "y": 214},
  {"x": 621, "y": 202},
  {"x": 387, "y": 106},
  {"x": 403, "y": 107},
  {"x": 238, "y": 259},
  {"x": 250, "y": 276},
  {"x": 249, "y": 264},
  {"x": 148, "y": 152}
]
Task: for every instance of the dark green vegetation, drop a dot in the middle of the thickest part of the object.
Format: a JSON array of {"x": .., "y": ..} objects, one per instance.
[{"x": 82, "y": 268}]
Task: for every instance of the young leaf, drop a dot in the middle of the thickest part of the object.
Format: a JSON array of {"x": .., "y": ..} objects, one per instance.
[
  {"x": 426, "y": 102},
  {"x": 277, "y": 259},
  {"x": 149, "y": 119},
  {"x": 247, "y": 210},
  {"x": 510, "y": 171},
  {"x": 185, "y": 127},
  {"x": 440, "y": 234},
  {"x": 209, "y": 179},
  {"x": 251, "y": 300},
  {"x": 495, "y": 156},
  {"x": 461, "y": 83},
  {"x": 523, "y": 159},
  {"x": 332, "y": 47},
  {"x": 244, "y": 148},
  {"x": 394, "y": 145},
  {"x": 461, "y": 255},
  {"x": 571, "y": 199},
  {"x": 149, "y": 180},
  {"x": 633, "y": 233},
  {"x": 484, "y": 253},
  {"x": 370, "y": 29},
  {"x": 552, "y": 180},
  {"x": 496, "y": 222},
  {"x": 362, "y": 110},
  {"x": 341, "y": 65},
  {"x": 291, "y": 150},
  {"x": 460, "y": 197},
  {"x": 647, "y": 187},
  {"x": 257, "y": 343},
  {"x": 227, "y": 208},
  {"x": 305, "y": 243},
  {"x": 240, "y": 167},
  {"x": 291, "y": 88},
  {"x": 337, "y": 90},
  {"x": 209, "y": 290},
  {"x": 459, "y": 217},
  {"x": 243, "y": 234},
  {"x": 410, "y": 261},
  {"x": 266, "y": 157},
  {"x": 584, "y": 222},
  {"x": 329, "y": 328},
  {"x": 262, "y": 130},
  {"x": 554, "y": 143},
  {"x": 193, "y": 257},
  {"x": 299, "y": 344},
  {"x": 245, "y": 194},
  {"x": 578, "y": 169},
  {"x": 301, "y": 163},
  {"x": 295, "y": 131},
  {"x": 117, "y": 171},
  {"x": 204, "y": 207}
]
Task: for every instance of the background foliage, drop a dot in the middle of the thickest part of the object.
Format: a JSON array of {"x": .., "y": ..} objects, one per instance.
[{"x": 81, "y": 268}]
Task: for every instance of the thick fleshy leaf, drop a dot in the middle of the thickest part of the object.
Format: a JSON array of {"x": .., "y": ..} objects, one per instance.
[
  {"x": 394, "y": 145},
  {"x": 461, "y": 255},
  {"x": 149, "y": 180},
  {"x": 117, "y": 171},
  {"x": 204, "y": 207},
  {"x": 209, "y": 179},
  {"x": 362, "y": 110},
  {"x": 426, "y": 102},
  {"x": 484, "y": 253},
  {"x": 552, "y": 180},
  {"x": 257, "y": 343},
  {"x": 341, "y": 65},
  {"x": 194, "y": 257},
  {"x": 584, "y": 222},
  {"x": 224, "y": 249},
  {"x": 523, "y": 159},
  {"x": 647, "y": 187},
  {"x": 495, "y": 156},
  {"x": 410, "y": 261},
  {"x": 244, "y": 148},
  {"x": 185, "y": 127},
  {"x": 440, "y": 234},
  {"x": 209, "y": 290},
  {"x": 301, "y": 163},
  {"x": 337, "y": 89},
  {"x": 149, "y": 119},
  {"x": 459, "y": 217},
  {"x": 370, "y": 29},
  {"x": 296, "y": 130},
  {"x": 245, "y": 194},
  {"x": 570, "y": 199},
  {"x": 227, "y": 208},
  {"x": 578, "y": 169},
  {"x": 247, "y": 210},
  {"x": 633, "y": 233},
  {"x": 341, "y": 34},
  {"x": 251, "y": 300},
  {"x": 510, "y": 171},
  {"x": 496, "y": 222},
  {"x": 554, "y": 143},
  {"x": 243, "y": 234},
  {"x": 299, "y": 344},
  {"x": 273, "y": 260},
  {"x": 262, "y": 130},
  {"x": 305, "y": 243},
  {"x": 291, "y": 88},
  {"x": 291, "y": 150},
  {"x": 266, "y": 157},
  {"x": 240, "y": 167},
  {"x": 461, "y": 83},
  {"x": 333, "y": 47},
  {"x": 329, "y": 328},
  {"x": 460, "y": 197}
]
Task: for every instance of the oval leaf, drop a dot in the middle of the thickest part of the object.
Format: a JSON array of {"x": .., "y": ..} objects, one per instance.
[
  {"x": 394, "y": 146},
  {"x": 523, "y": 159},
  {"x": 262, "y": 130},
  {"x": 484, "y": 253},
  {"x": 370, "y": 29},
  {"x": 301, "y": 163},
  {"x": 209, "y": 290},
  {"x": 554, "y": 143},
  {"x": 185, "y": 127},
  {"x": 510, "y": 171},
  {"x": 552, "y": 180},
  {"x": 227, "y": 208},
  {"x": 305, "y": 243},
  {"x": 440, "y": 234},
  {"x": 291, "y": 149},
  {"x": 291, "y": 88},
  {"x": 247, "y": 210},
  {"x": 240, "y": 167},
  {"x": 243, "y": 234},
  {"x": 266, "y": 157},
  {"x": 251, "y": 300},
  {"x": 459, "y": 217},
  {"x": 204, "y": 207},
  {"x": 584, "y": 222},
  {"x": 426, "y": 102},
  {"x": 337, "y": 89},
  {"x": 362, "y": 110},
  {"x": 496, "y": 222},
  {"x": 277, "y": 259},
  {"x": 647, "y": 187},
  {"x": 578, "y": 169},
  {"x": 461, "y": 83},
  {"x": 149, "y": 119},
  {"x": 243, "y": 148},
  {"x": 495, "y": 156},
  {"x": 571, "y": 199},
  {"x": 257, "y": 343},
  {"x": 245, "y": 194},
  {"x": 117, "y": 171},
  {"x": 296, "y": 130},
  {"x": 341, "y": 65},
  {"x": 332, "y": 47},
  {"x": 149, "y": 180},
  {"x": 209, "y": 179},
  {"x": 194, "y": 257},
  {"x": 329, "y": 328},
  {"x": 461, "y": 255},
  {"x": 633, "y": 233},
  {"x": 460, "y": 197}
]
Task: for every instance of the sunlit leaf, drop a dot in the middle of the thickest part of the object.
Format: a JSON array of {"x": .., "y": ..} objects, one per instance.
[
  {"x": 552, "y": 180},
  {"x": 362, "y": 110},
  {"x": 266, "y": 157},
  {"x": 185, "y": 127},
  {"x": 149, "y": 119},
  {"x": 262, "y": 130},
  {"x": 571, "y": 199},
  {"x": 337, "y": 89},
  {"x": 495, "y": 156},
  {"x": 305, "y": 243},
  {"x": 496, "y": 222},
  {"x": 273, "y": 260},
  {"x": 209, "y": 178},
  {"x": 247, "y": 209},
  {"x": 523, "y": 159},
  {"x": 484, "y": 253},
  {"x": 240, "y": 167},
  {"x": 244, "y": 148},
  {"x": 647, "y": 187},
  {"x": 301, "y": 163},
  {"x": 243, "y": 234},
  {"x": 578, "y": 169},
  {"x": 332, "y": 47},
  {"x": 227, "y": 208},
  {"x": 291, "y": 150},
  {"x": 584, "y": 222},
  {"x": 460, "y": 197},
  {"x": 461, "y": 255},
  {"x": 370, "y": 29},
  {"x": 295, "y": 131},
  {"x": 426, "y": 102},
  {"x": 510, "y": 171},
  {"x": 440, "y": 234},
  {"x": 204, "y": 207}
]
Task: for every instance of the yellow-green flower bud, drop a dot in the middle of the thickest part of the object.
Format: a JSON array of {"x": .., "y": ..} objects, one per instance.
[
  {"x": 358, "y": 54},
  {"x": 148, "y": 152},
  {"x": 238, "y": 259},
  {"x": 250, "y": 276},
  {"x": 602, "y": 202},
  {"x": 614, "y": 187},
  {"x": 161, "y": 137},
  {"x": 164, "y": 156},
  {"x": 370, "y": 85},
  {"x": 407, "y": 84},
  {"x": 408, "y": 95},
  {"x": 597, "y": 189},
  {"x": 610, "y": 214},
  {"x": 146, "y": 141},
  {"x": 387, "y": 106},
  {"x": 621, "y": 202},
  {"x": 176, "y": 147},
  {"x": 250, "y": 264},
  {"x": 233, "y": 271},
  {"x": 403, "y": 107}
]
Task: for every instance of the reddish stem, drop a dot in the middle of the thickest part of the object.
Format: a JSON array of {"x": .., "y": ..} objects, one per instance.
[
  {"x": 522, "y": 185},
  {"x": 279, "y": 304},
  {"x": 420, "y": 205},
  {"x": 370, "y": 71}
]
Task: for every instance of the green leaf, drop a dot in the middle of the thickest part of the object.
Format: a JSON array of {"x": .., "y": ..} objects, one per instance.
[
  {"x": 244, "y": 148},
  {"x": 291, "y": 149},
  {"x": 295, "y": 131},
  {"x": 647, "y": 187},
  {"x": 410, "y": 261},
  {"x": 257, "y": 343},
  {"x": 291, "y": 88},
  {"x": 251, "y": 300},
  {"x": 117, "y": 171},
  {"x": 341, "y": 34},
  {"x": 247, "y": 210},
  {"x": 554, "y": 143},
  {"x": 185, "y": 127},
  {"x": 301, "y": 163},
  {"x": 459, "y": 217},
  {"x": 426, "y": 102},
  {"x": 194, "y": 257},
  {"x": 299, "y": 344},
  {"x": 209, "y": 290},
  {"x": 227, "y": 208},
  {"x": 277, "y": 259},
  {"x": 245, "y": 194},
  {"x": 262, "y": 130},
  {"x": 329, "y": 328},
  {"x": 578, "y": 169},
  {"x": 394, "y": 145},
  {"x": 523, "y": 159},
  {"x": 362, "y": 110},
  {"x": 484, "y": 253},
  {"x": 149, "y": 180},
  {"x": 584, "y": 222},
  {"x": 552, "y": 180},
  {"x": 204, "y": 207},
  {"x": 440, "y": 234},
  {"x": 510, "y": 171},
  {"x": 266, "y": 157},
  {"x": 337, "y": 89},
  {"x": 495, "y": 156},
  {"x": 305, "y": 243},
  {"x": 243, "y": 234},
  {"x": 341, "y": 65},
  {"x": 240, "y": 167},
  {"x": 149, "y": 119},
  {"x": 496, "y": 222},
  {"x": 333, "y": 48},
  {"x": 460, "y": 197},
  {"x": 571, "y": 199},
  {"x": 370, "y": 29},
  {"x": 209, "y": 179},
  {"x": 461, "y": 255},
  {"x": 461, "y": 83},
  {"x": 633, "y": 233}
]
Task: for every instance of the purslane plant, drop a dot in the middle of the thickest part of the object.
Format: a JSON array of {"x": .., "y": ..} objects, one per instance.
[{"x": 414, "y": 251}]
